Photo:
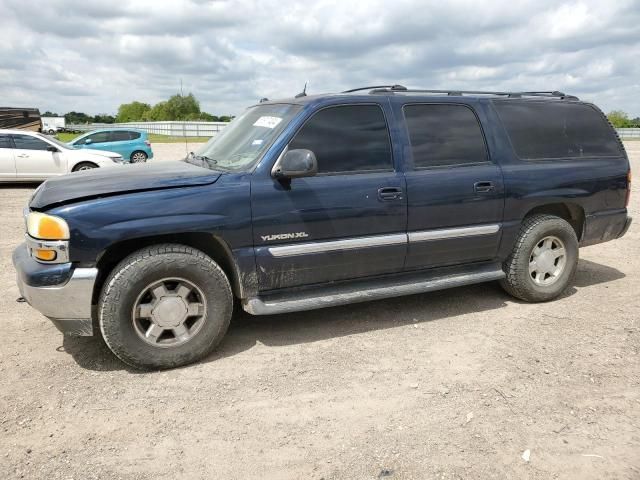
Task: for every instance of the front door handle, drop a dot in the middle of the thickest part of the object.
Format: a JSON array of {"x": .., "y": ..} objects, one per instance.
[
  {"x": 484, "y": 187},
  {"x": 389, "y": 193},
  {"x": 22, "y": 155}
]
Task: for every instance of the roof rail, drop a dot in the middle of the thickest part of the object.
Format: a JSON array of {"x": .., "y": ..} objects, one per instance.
[{"x": 403, "y": 89}]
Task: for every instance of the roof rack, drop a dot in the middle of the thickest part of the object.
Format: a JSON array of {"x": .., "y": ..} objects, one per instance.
[{"x": 403, "y": 89}]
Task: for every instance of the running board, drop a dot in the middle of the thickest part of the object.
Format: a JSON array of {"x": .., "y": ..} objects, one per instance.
[{"x": 365, "y": 290}]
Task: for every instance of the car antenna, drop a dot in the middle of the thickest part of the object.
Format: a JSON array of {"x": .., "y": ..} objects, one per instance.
[{"x": 303, "y": 93}]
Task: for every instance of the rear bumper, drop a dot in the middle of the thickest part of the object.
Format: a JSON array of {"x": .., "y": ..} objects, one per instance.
[
  {"x": 604, "y": 226},
  {"x": 60, "y": 292}
]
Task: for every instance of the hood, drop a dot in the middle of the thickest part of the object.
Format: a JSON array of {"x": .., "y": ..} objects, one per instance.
[{"x": 101, "y": 182}]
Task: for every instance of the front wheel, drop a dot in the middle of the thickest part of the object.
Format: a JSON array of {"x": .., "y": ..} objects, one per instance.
[
  {"x": 165, "y": 306},
  {"x": 84, "y": 166},
  {"x": 543, "y": 260}
]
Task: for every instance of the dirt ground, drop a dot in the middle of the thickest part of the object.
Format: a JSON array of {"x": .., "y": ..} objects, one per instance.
[{"x": 456, "y": 384}]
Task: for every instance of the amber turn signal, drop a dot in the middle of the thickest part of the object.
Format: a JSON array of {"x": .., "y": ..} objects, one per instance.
[{"x": 43, "y": 254}]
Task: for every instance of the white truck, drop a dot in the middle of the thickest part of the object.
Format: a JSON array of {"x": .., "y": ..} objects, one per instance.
[{"x": 53, "y": 125}]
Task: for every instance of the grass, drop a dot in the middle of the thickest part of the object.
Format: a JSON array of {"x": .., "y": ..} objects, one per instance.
[{"x": 153, "y": 138}]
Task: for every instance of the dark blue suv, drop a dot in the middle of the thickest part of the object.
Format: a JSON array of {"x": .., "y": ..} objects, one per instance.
[{"x": 326, "y": 200}]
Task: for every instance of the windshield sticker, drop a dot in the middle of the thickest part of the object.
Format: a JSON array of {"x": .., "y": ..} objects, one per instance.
[
  {"x": 257, "y": 142},
  {"x": 268, "y": 122}
]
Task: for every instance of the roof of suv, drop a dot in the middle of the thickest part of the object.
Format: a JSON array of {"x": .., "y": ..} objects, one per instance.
[{"x": 303, "y": 99}]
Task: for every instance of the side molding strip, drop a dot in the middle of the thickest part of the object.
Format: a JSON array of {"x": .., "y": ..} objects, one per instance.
[
  {"x": 331, "y": 246},
  {"x": 444, "y": 233}
]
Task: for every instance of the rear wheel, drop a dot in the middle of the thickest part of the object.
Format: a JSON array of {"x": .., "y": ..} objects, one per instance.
[
  {"x": 543, "y": 260},
  {"x": 165, "y": 306},
  {"x": 138, "y": 157},
  {"x": 84, "y": 166}
]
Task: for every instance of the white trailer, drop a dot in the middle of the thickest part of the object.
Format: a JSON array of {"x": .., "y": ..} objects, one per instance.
[{"x": 53, "y": 125}]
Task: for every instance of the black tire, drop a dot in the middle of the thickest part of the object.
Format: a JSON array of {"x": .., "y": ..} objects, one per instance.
[
  {"x": 519, "y": 282},
  {"x": 51, "y": 132},
  {"x": 138, "y": 157},
  {"x": 84, "y": 166},
  {"x": 129, "y": 279}
]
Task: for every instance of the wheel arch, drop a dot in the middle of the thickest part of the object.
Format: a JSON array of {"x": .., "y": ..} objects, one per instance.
[
  {"x": 216, "y": 248},
  {"x": 571, "y": 212}
]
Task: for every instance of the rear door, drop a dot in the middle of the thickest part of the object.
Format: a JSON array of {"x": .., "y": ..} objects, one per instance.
[
  {"x": 7, "y": 159},
  {"x": 455, "y": 192},
  {"x": 347, "y": 222},
  {"x": 34, "y": 161},
  {"x": 120, "y": 142}
]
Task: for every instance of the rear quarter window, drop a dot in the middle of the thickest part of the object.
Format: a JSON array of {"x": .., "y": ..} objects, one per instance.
[{"x": 557, "y": 130}]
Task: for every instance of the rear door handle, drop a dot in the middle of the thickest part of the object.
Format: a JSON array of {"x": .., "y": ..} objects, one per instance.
[
  {"x": 389, "y": 193},
  {"x": 484, "y": 187}
]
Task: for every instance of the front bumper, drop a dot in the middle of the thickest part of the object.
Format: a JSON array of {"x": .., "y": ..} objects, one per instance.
[{"x": 60, "y": 292}]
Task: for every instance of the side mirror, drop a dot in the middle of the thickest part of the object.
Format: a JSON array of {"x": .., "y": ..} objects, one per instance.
[
  {"x": 88, "y": 141},
  {"x": 53, "y": 149},
  {"x": 295, "y": 164}
]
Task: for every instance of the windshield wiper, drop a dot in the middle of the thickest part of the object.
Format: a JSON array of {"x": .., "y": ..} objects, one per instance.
[{"x": 213, "y": 161}]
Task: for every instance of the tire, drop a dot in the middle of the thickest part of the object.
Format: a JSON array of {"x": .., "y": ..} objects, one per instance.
[
  {"x": 536, "y": 270},
  {"x": 51, "y": 132},
  {"x": 84, "y": 166},
  {"x": 130, "y": 289},
  {"x": 138, "y": 157}
]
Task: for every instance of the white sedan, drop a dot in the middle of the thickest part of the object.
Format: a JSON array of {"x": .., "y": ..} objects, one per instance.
[{"x": 29, "y": 156}]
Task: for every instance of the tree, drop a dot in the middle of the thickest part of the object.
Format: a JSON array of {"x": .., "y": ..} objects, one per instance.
[
  {"x": 181, "y": 107},
  {"x": 77, "y": 117},
  {"x": 132, "y": 112},
  {"x": 49, "y": 114},
  {"x": 619, "y": 119},
  {"x": 225, "y": 118},
  {"x": 104, "y": 118}
]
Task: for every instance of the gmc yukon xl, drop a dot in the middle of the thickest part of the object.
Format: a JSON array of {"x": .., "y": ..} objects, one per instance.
[{"x": 325, "y": 200}]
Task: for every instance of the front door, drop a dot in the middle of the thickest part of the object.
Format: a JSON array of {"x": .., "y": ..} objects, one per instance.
[
  {"x": 455, "y": 192},
  {"x": 34, "y": 160},
  {"x": 347, "y": 222}
]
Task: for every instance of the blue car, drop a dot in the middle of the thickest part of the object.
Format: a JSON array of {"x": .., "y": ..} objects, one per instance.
[{"x": 132, "y": 144}]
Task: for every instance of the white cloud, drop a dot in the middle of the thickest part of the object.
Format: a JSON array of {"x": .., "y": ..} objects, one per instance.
[{"x": 91, "y": 56}]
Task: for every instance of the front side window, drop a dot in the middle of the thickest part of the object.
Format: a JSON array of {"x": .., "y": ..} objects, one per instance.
[
  {"x": 555, "y": 130},
  {"x": 444, "y": 135},
  {"x": 27, "y": 142},
  {"x": 350, "y": 138},
  {"x": 98, "y": 137}
]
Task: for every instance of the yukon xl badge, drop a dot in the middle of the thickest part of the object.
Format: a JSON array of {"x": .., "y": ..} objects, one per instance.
[{"x": 284, "y": 236}]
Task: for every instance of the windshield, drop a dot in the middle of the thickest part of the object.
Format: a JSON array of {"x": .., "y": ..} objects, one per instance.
[{"x": 241, "y": 144}]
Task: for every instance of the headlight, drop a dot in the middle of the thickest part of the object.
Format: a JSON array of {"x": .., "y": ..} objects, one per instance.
[
  {"x": 47, "y": 227},
  {"x": 117, "y": 159}
]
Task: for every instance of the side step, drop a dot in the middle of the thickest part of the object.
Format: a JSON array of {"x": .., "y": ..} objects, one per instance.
[{"x": 372, "y": 289}]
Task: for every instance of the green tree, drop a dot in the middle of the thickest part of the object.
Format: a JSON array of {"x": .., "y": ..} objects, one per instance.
[
  {"x": 132, "y": 112},
  {"x": 48, "y": 114},
  {"x": 183, "y": 107},
  {"x": 159, "y": 112},
  {"x": 619, "y": 119},
  {"x": 77, "y": 118},
  {"x": 225, "y": 118}
]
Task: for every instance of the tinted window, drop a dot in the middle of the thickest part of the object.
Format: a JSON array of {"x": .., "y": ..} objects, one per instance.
[
  {"x": 120, "y": 136},
  {"x": 99, "y": 137},
  {"x": 443, "y": 135},
  {"x": 134, "y": 135},
  {"x": 26, "y": 142},
  {"x": 347, "y": 138},
  {"x": 5, "y": 141},
  {"x": 557, "y": 130}
]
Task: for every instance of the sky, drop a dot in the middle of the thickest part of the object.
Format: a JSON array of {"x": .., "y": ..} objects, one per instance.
[{"x": 92, "y": 56}]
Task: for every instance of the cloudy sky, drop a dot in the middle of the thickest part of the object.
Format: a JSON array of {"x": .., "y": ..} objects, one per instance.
[{"x": 91, "y": 56}]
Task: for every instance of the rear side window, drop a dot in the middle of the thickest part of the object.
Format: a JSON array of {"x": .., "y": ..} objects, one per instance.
[
  {"x": 134, "y": 135},
  {"x": 351, "y": 138},
  {"x": 557, "y": 130},
  {"x": 120, "y": 136},
  {"x": 444, "y": 135},
  {"x": 5, "y": 141}
]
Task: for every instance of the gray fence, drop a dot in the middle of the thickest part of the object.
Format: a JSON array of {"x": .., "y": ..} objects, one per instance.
[
  {"x": 174, "y": 129},
  {"x": 628, "y": 132}
]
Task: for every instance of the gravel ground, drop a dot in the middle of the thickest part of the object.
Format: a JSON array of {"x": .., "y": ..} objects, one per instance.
[
  {"x": 454, "y": 384},
  {"x": 171, "y": 151}
]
